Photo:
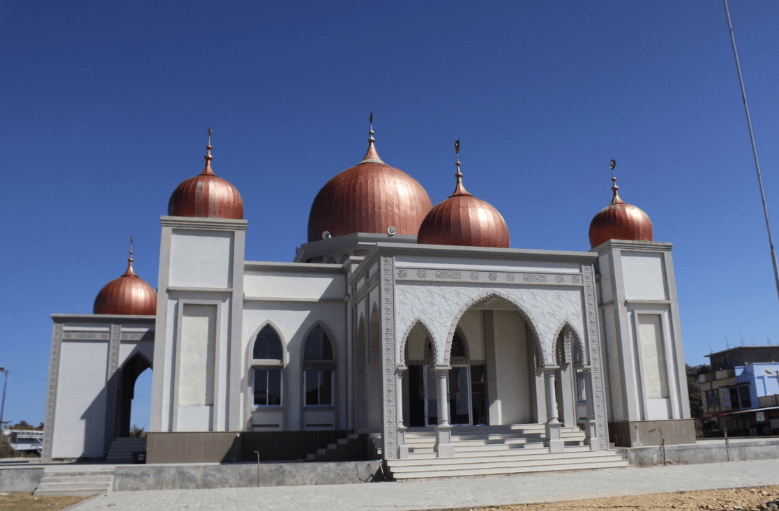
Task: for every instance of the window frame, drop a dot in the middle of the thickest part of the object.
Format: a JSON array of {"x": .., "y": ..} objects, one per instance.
[
  {"x": 268, "y": 364},
  {"x": 320, "y": 366}
]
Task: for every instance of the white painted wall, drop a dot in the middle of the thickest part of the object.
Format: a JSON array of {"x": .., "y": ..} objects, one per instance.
[
  {"x": 511, "y": 374},
  {"x": 79, "y": 419},
  {"x": 643, "y": 276},
  {"x": 281, "y": 284},
  {"x": 472, "y": 326},
  {"x": 201, "y": 259}
]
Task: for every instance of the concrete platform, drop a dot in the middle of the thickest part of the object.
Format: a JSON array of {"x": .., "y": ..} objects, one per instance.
[{"x": 450, "y": 493}]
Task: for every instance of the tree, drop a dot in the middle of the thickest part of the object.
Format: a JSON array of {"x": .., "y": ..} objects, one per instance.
[
  {"x": 696, "y": 399},
  {"x": 5, "y": 447}
]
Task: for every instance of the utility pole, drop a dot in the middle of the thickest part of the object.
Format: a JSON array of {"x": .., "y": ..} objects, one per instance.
[{"x": 2, "y": 403}]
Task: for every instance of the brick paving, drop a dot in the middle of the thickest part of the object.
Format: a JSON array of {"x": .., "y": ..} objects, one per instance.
[{"x": 456, "y": 493}]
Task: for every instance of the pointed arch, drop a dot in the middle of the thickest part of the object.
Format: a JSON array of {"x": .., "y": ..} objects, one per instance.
[
  {"x": 404, "y": 340},
  {"x": 497, "y": 294},
  {"x": 253, "y": 339},
  {"x": 135, "y": 365},
  {"x": 328, "y": 331},
  {"x": 573, "y": 346},
  {"x": 466, "y": 345}
]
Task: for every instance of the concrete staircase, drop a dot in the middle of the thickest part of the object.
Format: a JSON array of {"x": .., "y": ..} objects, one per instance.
[
  {"x": 498, "y": 450},
  {"x": 122, "y": 449},
  {"x": 76, "y": 480}
]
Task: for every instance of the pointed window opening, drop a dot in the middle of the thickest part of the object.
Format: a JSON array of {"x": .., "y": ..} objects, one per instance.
[
  {"x": 266, "y": 371},
  {"x": 319, "y": 368}
]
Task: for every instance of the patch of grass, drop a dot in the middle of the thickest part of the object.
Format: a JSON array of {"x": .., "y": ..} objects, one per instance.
[{"x": 27, "y": 502}]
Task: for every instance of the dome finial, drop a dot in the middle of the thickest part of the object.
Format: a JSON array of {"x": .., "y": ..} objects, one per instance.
[
  {"x": 371, "y": 156},
  {"x": 208, "y": 156},
  {"x": 130, "y": 272},
  {"x": 459, "y": 189},
  {"x": 614, "y": 186}
]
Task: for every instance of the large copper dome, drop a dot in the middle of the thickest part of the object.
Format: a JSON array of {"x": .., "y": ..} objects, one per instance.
[
  {"x": 206, "y": 195},
  {"x": 128, "y": 295},
  {"x": 620, "y": 221},
  {"x": 370, "y": 197},
  {"x": 464, "y": 220}
]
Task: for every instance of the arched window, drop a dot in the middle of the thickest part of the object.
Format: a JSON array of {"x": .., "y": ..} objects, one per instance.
[
  {"x": 266, "y": 368},
  {"x": 318, "y": 367},
  {"x": 458, "y": 347}
]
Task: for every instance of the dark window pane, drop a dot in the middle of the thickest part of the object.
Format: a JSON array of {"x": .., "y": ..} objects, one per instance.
[
  {"x": 429, "y": 349},
  {"x": 267, "y": 345},
  {"x": 312, "y": 387},
  {"x": 458, "y": 347},
  {"x": 260, "y": 387},
  {"x": 327, "y": 348},
  {"x": 459, "y": 393},
  {"x": 318, "y": 346},
  {"x": 314, "y": 345},
  {"x": 274, "y": 387},
  {"x": 326, "y": 389}
]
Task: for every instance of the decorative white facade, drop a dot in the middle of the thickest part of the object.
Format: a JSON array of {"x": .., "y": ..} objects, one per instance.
[{"x": 377, "y": 334}]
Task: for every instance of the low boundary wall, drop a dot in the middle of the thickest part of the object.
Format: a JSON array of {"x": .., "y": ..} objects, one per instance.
[
  {"x": 704, "y": 451},
  {"x": 22, "y": 479},
  {"x": 243, "y": 475}
]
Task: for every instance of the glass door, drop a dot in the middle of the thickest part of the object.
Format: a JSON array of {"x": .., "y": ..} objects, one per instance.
[
  {"x": 459, "y": 396},
  {"x": 431, "y": 397}
]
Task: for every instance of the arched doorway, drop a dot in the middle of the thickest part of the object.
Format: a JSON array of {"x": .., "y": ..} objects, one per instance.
[
  {"x": 496, "y": 347},
  {"x": 126, "y": 393}
]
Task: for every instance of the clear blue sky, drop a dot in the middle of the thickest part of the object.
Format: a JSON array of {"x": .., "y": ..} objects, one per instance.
[{"x": 105, "y": 108}]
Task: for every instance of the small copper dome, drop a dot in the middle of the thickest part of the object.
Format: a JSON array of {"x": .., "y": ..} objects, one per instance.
[
  {"x": 464, "y": 220},
  {"x": 619, "y": 221},
  {"x": 370, "y": 197},
  {"x": 128, "y": 295},
  {"x": 206, "y": 195}
]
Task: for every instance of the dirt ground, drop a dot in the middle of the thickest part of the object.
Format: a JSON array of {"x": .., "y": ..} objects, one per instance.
[
  {"x": 715, "y": 500},
  {"x": 743, "y": 498},
  {"x": 26, "y": 502}
]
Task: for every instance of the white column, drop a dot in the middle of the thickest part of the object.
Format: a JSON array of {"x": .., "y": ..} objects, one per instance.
[
  {"x": 589, "y": 425},
  {"x": 402, "y": 448},
  {"x": 553, "y": 433},
  {"x": 551, "y": 401},
  {"x": 442, "y": 376},
  {"x": 443, "y": 432}
]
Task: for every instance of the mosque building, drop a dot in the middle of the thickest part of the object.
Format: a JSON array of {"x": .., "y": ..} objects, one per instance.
[{"x": 404, "y": 325}]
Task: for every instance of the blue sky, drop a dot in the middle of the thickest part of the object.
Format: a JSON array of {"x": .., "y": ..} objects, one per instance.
[{"x": 105, "y": 108}]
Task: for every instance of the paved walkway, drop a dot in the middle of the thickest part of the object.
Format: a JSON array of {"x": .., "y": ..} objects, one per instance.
[{"x": 450, "y": 493}]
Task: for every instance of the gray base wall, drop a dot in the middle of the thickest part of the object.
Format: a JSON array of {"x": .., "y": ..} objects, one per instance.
[
  {"x": 20, "y": 479},
  {"x": 705, "y": 451},
  {"x": 646, "y": 433},
  {"x": 243, "y": 475}
]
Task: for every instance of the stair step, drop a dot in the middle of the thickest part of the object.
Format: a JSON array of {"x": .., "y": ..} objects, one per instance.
[
  {"x": 86, "y": 478},
  {"x": 511, "y": 470},
  {"x": 525, "y": 459},
  {"x": 500, "y": 468}
]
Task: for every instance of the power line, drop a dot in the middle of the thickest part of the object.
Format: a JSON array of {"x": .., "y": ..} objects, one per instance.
[{"x": 754, "y": 147}]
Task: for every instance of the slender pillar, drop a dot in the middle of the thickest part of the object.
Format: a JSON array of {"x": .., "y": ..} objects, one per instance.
[
  {"x": 553, "y": 427},
  {"x": 566, "y": 395},
  {"x": 551, "y": 401},
  {"x": 589, "y": 424},
  {"x": 443, "y": 432},
  {"x": 402, "y": 448}
]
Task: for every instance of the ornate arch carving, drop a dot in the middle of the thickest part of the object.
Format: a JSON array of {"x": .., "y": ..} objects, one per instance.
[
  {"x": 483, "y": 296},
  {"x": 404, "y": 340}
]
